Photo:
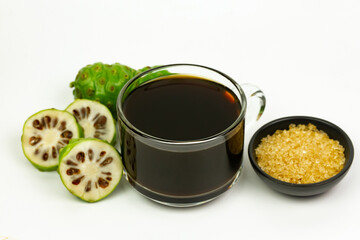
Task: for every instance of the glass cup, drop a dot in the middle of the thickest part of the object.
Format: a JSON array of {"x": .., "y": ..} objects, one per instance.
[{"x": 190, "y": 172}]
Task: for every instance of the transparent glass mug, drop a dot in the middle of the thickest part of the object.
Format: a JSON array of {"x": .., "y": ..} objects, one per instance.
[{"x": 184, "y": 173}]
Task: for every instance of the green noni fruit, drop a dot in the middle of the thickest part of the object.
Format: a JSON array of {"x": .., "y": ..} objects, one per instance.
[
  {"x": 152, "y": 75},
  {"x": 102, "y": 82},
  {"x": 45, "y": 133},
  {"x": 90, "y": 168},
  {"x": 95, "y": 119},
  {"x": 147, "y": 77}
]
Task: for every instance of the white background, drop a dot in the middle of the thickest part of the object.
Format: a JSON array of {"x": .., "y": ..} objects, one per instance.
[{"x": 305, "y": 56}]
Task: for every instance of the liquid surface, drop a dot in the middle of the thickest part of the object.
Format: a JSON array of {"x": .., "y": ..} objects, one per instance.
[{"x": 181, "y": 107}]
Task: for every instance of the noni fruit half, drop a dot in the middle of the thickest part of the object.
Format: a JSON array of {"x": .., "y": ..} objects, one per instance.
[
  {"x": 45, "y": 133},
  {"x": 90, "y": 168},
  {"x": 95, "y": 119}
]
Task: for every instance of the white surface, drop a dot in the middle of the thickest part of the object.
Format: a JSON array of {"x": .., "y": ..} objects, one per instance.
[{"x": 303, "y": 54}]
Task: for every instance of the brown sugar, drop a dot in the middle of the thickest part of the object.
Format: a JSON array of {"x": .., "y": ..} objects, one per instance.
[{"x": 302, "y": 154}]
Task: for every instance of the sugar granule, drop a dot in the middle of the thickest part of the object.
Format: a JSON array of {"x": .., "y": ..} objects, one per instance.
[{"x": 302, "y": 154}]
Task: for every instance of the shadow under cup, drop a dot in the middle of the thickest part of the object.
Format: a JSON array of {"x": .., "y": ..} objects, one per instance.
[{"x": 180, "y": 172}]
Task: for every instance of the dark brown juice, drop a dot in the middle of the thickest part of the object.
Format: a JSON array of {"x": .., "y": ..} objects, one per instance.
[{"x": 182, "y": 108}]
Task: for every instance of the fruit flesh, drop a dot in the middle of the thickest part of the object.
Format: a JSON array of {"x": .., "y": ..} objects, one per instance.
[
  {"x": 44, "y": 134},
  {"x": 95, "y": 119},
  {"x": 90, "y": 168}
]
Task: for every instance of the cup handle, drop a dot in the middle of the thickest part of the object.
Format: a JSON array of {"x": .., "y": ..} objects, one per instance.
[{"x": 254, "y": 96}]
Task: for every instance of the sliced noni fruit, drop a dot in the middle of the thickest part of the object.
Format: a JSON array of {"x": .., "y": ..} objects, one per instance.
[
  {"x": 90, "y": 168},
  {"x": 45, "y": 133},
  {"x": 95, "y": 119}
]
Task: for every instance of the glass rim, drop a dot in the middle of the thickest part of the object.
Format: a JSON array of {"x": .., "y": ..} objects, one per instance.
[{"x": 121, "y": 116}]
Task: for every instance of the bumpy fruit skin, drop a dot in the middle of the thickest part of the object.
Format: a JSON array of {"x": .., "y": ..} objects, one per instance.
[
  {"x": 153, "y": 75},
  {"x": 102, "y": 82},
  {"x": 148, "y": 77},
  {"x": 145, "y": 69}
]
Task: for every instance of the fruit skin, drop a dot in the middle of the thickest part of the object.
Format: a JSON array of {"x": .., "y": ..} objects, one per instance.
[
  {"x": 39, "y": 167},
  {"x": 102, "y": 82},
  {"x": 148, "y": 77},
  {"x": 159, "y": 73},
  {"x": 113, "y": 140},
  {"x": 145, "y": 69},
  {"x": 66, "y": 150}
]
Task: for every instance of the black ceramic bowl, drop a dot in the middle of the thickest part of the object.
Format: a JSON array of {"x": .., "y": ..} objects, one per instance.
[{"x": 332, "y": 130}]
